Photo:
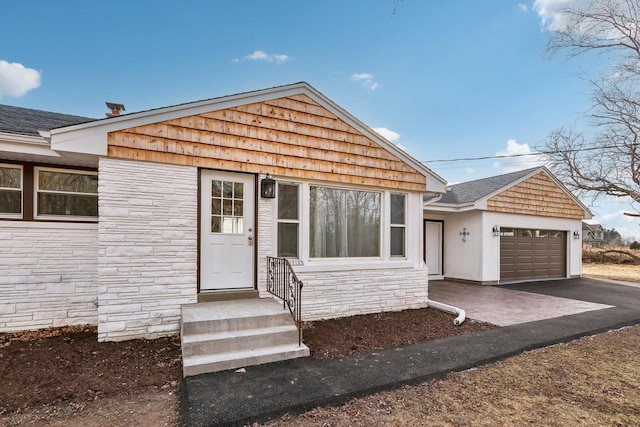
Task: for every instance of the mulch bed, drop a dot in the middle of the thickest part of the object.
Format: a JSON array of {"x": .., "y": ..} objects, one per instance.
[
  {"x": 68, "y": 364},
  {"x": 340, "y": 337}
]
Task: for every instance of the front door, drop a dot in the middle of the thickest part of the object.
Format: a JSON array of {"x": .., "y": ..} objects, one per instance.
[{"x": 227, "y": 225}]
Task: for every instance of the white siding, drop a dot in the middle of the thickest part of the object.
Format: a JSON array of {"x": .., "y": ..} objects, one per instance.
[
  {"x": 48, "y": 275},
  {"x": 147, "y": 247},
  {"x": 463, "y": 260}
]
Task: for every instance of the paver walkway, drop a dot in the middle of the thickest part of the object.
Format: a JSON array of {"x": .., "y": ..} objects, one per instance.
[{"x": 504, "y": 306}]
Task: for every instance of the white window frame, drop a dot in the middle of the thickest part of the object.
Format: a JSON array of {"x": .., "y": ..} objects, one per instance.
[
  {"x": 289, "y": 221},
  {"x": 21, "y": 214},
  {"x": 36, "y": 191},
  {"x": 382, "y": 242},
  {"x": 403, "y": 226}
]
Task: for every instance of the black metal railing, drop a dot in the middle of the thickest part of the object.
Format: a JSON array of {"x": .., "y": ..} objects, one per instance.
[{"x": 283, "y": 283}]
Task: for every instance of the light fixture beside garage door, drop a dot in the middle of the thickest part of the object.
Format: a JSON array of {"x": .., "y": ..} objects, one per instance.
[
  {"x": 496, "y": 230},
  {"x": 576, "y": 234}
]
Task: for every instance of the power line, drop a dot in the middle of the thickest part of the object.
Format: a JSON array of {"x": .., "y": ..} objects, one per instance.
[
  {"x": 483, "y": 158},
  {"x": 507, "y": 156}
]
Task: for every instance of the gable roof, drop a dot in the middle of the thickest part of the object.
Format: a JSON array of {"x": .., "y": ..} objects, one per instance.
[
  {"x": 591, "y": 227},
  {"x": 91, "y": 138},
  {"x": 475, "y": 194},
  {"x": 472, "y": 191},
  {"x": 25, "y": 121}
]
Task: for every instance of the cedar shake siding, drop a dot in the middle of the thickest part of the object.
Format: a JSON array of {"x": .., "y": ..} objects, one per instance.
[
  {"x": 538, "y": 195},
  {"x": 290, "y": 137}
]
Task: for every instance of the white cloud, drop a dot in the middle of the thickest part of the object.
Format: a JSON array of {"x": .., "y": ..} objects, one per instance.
[
  {"x": 523, "y": 7},
  {"x": 517, "y": 157},
  {"x": 362, "y": 76},
  {"x": 390, "y": 135},
  {"x": 260, "y": 55},
  {"x": 366, "y": 80},
  {"x": 469, "y": 170},
  {"x": 550, "y": 12},
  {"x": 16, "y": 80}
]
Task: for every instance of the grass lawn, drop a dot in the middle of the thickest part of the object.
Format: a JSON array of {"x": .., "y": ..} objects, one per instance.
[
  {"x": 592, "y": 381},
  {"x": 624, "y": 272}
]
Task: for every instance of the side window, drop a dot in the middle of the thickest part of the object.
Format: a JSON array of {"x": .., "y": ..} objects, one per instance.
[
  {"x": 398, "y": 225},
  {"x": 64, "y": 193},
  {"x": 10, "y": 191},
  {"x": 288, "y": 220}
]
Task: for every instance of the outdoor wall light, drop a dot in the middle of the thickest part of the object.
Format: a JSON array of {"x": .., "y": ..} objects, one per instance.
[
  {"x": 576, "y": 234},
  {"x": 496, "y": 230},
  {"x": 268, "y": 187},
  {"x": 464, "y": 233}
]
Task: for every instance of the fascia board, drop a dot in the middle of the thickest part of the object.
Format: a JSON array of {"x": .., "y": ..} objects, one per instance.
[
  {"x": 32, "y": 149},
  {"x": 25, "y": 144},
  {"x": 22, "y": 139},
  {"x": 442, "y": 207}
]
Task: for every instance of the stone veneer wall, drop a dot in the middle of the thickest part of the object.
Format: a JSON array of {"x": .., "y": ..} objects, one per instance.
[
  {"x": 329, "y": 294},
  {"x": 48, "y": 274},
  {"x": 147, "y": 247}
]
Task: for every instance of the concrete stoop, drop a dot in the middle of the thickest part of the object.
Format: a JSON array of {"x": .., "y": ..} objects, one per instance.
[{"x": 222, "y": 335}]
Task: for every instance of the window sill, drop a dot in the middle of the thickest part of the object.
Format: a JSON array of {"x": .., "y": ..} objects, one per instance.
[
  {"x": 4, "y": 223},
  {"x": 350, "y": 264}
]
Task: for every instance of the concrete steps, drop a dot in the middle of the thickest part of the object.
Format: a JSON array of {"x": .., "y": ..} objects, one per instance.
[{"x": 223, "y": 335}]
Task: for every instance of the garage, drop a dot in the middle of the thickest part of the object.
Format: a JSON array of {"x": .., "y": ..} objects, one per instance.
[
  {"x": 532, "y": 254},
  {"x": 522, "y": 225}
]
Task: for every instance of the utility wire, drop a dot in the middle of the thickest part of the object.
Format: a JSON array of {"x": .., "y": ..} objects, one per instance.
[{"x": 504, "y": 156}]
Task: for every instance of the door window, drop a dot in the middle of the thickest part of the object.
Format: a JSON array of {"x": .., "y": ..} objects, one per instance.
[{"x": 227, "y": 207}]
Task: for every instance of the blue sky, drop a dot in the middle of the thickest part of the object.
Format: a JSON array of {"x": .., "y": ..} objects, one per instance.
[{"x": 443, "y": 79}]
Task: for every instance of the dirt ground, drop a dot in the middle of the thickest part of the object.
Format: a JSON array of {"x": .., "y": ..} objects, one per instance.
[
  {"x": 336, "y": 338},
  {"x": 64, "y": 376}
]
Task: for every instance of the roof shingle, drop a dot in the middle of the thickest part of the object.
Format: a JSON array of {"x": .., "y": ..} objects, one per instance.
[
  {"x": 25, "y": 121},
  {"x": 472, "y": 191}
]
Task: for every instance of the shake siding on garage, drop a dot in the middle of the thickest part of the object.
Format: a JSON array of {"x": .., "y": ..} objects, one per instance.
[
  {"x": 538, "y": 195},
  {"x": 288, "y": 137}
]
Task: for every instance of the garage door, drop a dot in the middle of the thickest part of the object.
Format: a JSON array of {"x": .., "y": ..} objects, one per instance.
[{"x": 532, "y": 254}]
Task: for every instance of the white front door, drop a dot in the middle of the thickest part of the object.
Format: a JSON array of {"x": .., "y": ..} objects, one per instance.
[
  {"x": 433, "y": 247},
  {"x": 227, "y": 225}
]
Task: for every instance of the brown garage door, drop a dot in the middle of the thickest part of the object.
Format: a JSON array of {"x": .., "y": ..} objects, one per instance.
[{"x": 532, "y": 254}]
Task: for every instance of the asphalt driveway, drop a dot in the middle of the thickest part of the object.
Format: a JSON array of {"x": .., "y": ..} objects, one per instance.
[{"x": 267, "y": 391}]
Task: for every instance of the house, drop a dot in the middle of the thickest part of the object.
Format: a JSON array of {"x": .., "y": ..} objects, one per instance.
[
  {"x": 522, "y": 225},
  {"x": 124, "y": 221},
  {"x": 592, "y": 235}
]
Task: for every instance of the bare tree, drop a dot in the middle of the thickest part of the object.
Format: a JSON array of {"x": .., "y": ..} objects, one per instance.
[{"x": 608, "y": 161}]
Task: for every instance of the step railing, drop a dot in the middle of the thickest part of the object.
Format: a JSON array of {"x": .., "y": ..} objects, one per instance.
[{"x": 283, "y": 283}]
